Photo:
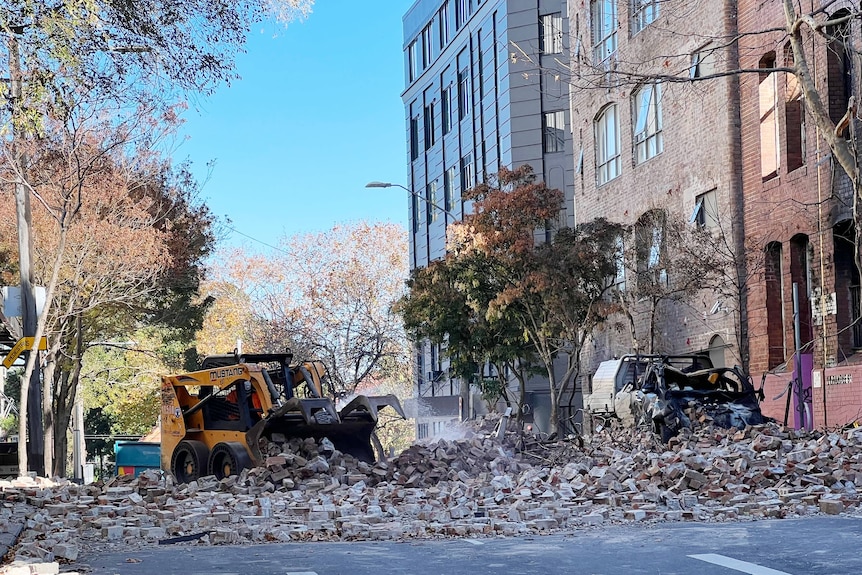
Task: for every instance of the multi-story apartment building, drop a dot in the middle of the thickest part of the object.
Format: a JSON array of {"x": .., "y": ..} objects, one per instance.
[
  {"x": 647, "y": 112},
  {"x": 799, "y": 213},
  {"x": 656, "y": 146},
  {"x": 484, "y": 90}
]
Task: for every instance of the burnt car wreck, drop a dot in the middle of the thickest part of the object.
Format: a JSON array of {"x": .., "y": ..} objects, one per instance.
[{"x": 662, "y": 391}]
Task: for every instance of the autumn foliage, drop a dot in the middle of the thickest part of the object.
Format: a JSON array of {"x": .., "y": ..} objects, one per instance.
[{"x": 512, "y": 288}]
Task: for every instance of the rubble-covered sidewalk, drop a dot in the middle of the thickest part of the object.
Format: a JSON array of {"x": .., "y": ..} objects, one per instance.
[{"x": 477, "y": 486}]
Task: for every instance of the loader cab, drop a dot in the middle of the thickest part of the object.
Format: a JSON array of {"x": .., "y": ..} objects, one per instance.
[{"x": 230, "y": 409}]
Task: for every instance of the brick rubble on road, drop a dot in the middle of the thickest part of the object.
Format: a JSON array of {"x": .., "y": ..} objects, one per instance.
[{"x": 476, "y": 486}]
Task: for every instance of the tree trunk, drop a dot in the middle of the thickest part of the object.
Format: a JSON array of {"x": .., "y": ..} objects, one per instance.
[
  {"x": 64, "y": 401},
  {"x": 554, "y": 420},
  {"x": 47, "y": 412},
  {"x": 31, "y": 358}
]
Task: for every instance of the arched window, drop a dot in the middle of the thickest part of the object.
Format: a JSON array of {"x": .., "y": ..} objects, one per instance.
[{"x": 716, "y": 351}]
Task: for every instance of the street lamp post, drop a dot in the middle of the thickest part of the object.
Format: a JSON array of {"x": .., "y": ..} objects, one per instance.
[
  {"x": 35, "y": 441},
  {"x": 412, "y": 193}
]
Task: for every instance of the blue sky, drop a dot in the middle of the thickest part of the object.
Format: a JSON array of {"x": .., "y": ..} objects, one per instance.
[{"x": 316, "y": 116}]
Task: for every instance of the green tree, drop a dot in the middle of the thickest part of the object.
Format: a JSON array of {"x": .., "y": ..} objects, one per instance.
[
  {"x": 555, "y": 291},
  {"x": 447, "y": 303}
]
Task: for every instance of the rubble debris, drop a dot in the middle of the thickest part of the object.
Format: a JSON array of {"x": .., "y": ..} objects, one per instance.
[{"x": 474, "y": 486}]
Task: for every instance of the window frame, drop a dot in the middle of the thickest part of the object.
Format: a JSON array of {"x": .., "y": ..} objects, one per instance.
[
  {"x": 604, "y": 26},
  {"x": 468, "y": 172},
  {"x": 644, "y": 13},
  {"x": 448, "y": 188},
  {"x": 443, "y": 19},
  {"x": 608, "y": 165},
  {"x": 462, "y": 13},
  {"x": 412, "y": 63},
  {"x": 414, "y": 138},
  {"x": 768, "y": 115},
  {"x": 431, "y": 202},
  {"x": 554, "y": 135},
  {"x": 430, "y": 132},
  {"x": 705, "y": 213},
  {"x": 463, "y": 93},
  {"x": 647, "y": 122},
  {"x": 551, "y": 33},
  {"x": 427, "y": 37},
  {"x": 446, "y": 122}
]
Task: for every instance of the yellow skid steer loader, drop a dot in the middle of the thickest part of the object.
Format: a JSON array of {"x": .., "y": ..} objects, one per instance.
[{"x": 213, "y": 419}]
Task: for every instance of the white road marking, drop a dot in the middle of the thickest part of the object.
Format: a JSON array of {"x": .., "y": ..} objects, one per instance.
[
  {"x": 737, "y": 565},
  {"x": 301, "y": 573},
  {"x": 473, "y": 542}
]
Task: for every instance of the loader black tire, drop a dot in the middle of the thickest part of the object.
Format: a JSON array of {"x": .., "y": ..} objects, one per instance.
[
  {"x": 189, "y": 461},
  {"x": 228, "y": 458}
]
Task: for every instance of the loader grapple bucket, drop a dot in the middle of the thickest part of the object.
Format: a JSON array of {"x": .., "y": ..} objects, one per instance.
[{"x": 349, "y": 431}]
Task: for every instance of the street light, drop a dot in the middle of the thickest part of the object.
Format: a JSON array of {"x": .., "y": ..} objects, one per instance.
[{"x": 412, "y": 193}]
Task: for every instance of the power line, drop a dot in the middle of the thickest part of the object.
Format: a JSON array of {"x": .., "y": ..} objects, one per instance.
[{"x": 233, "y": 229}]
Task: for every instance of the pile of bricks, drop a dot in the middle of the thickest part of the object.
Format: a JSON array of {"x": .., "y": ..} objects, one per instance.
[{"x": 476, "y": 486}]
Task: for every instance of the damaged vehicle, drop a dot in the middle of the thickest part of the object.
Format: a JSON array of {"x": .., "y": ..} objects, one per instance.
[{"x": 657, "y": 390}]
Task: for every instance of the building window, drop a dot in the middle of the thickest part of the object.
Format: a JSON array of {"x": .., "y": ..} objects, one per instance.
[
  {"x": 430, "y": 136},
  {"x": 422, "y": 431},
  {"x": 648, "y": 122},
  {"x": 649, "y": 238},
  {"x": 551, "y": 33},
  {"x": 604, "y": 29},
  {"x": 443, "y": 20},
  {"x": 608, "y": 158},
  {"x": 414, "y": 138},
  {"x": 702, "y": 63},
  {"x": 768, "y": 107},
  {"x": 839, "y": 67},
  {"x": 420, "y": 369},
  {"x": 620, "y": 264},
  {"x": 643, "y": 12},
  {"x": 462, "y": 12},
  {"x": 427, "y": 46},
  {"x": 705, "y": 214},
  {"x": 431, "y": 201},
  {"x": 412, "y": 62},
  {"x": 448, "y": 183},
  {"x": 774, "y": 304},
  {"x": 794, "y": 115},
  {"x": 553, "y": 128},
  {"x": 468, "y": 173},
  {"x": 446, "y": 109},
  {"x": 463, "y": 93},
  {"x": 414, "y": 213}
]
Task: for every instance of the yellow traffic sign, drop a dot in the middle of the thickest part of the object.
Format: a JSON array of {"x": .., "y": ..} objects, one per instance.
[{"x": 25, "y": 343}]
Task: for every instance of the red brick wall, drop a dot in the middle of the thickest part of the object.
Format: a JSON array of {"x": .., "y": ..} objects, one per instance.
[{"x": 843, "y": 387}]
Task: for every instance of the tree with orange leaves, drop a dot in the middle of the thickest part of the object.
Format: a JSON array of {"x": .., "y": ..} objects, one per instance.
[
  {"x": 513, "y": 266},
  {"x": 119, "y": 241}
]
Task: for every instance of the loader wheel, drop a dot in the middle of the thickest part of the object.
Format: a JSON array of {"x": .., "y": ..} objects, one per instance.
[
  {"x": 189, "y": 461},
  {"x": 228, "y": 459}
]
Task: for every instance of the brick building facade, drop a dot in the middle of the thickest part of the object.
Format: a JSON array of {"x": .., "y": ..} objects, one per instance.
[
  {"x": 646, "y": 146},
  {"x": 798, "y": 218}
]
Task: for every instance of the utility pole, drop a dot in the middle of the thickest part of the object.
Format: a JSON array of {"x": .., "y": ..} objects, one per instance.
[{"x": 35, "y": 442}]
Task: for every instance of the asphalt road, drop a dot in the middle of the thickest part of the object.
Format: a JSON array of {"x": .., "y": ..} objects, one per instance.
[{"x": 811, "y": 546}]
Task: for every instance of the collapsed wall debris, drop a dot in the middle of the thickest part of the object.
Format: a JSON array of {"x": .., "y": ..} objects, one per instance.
[{"x": 475, "y": 486}]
